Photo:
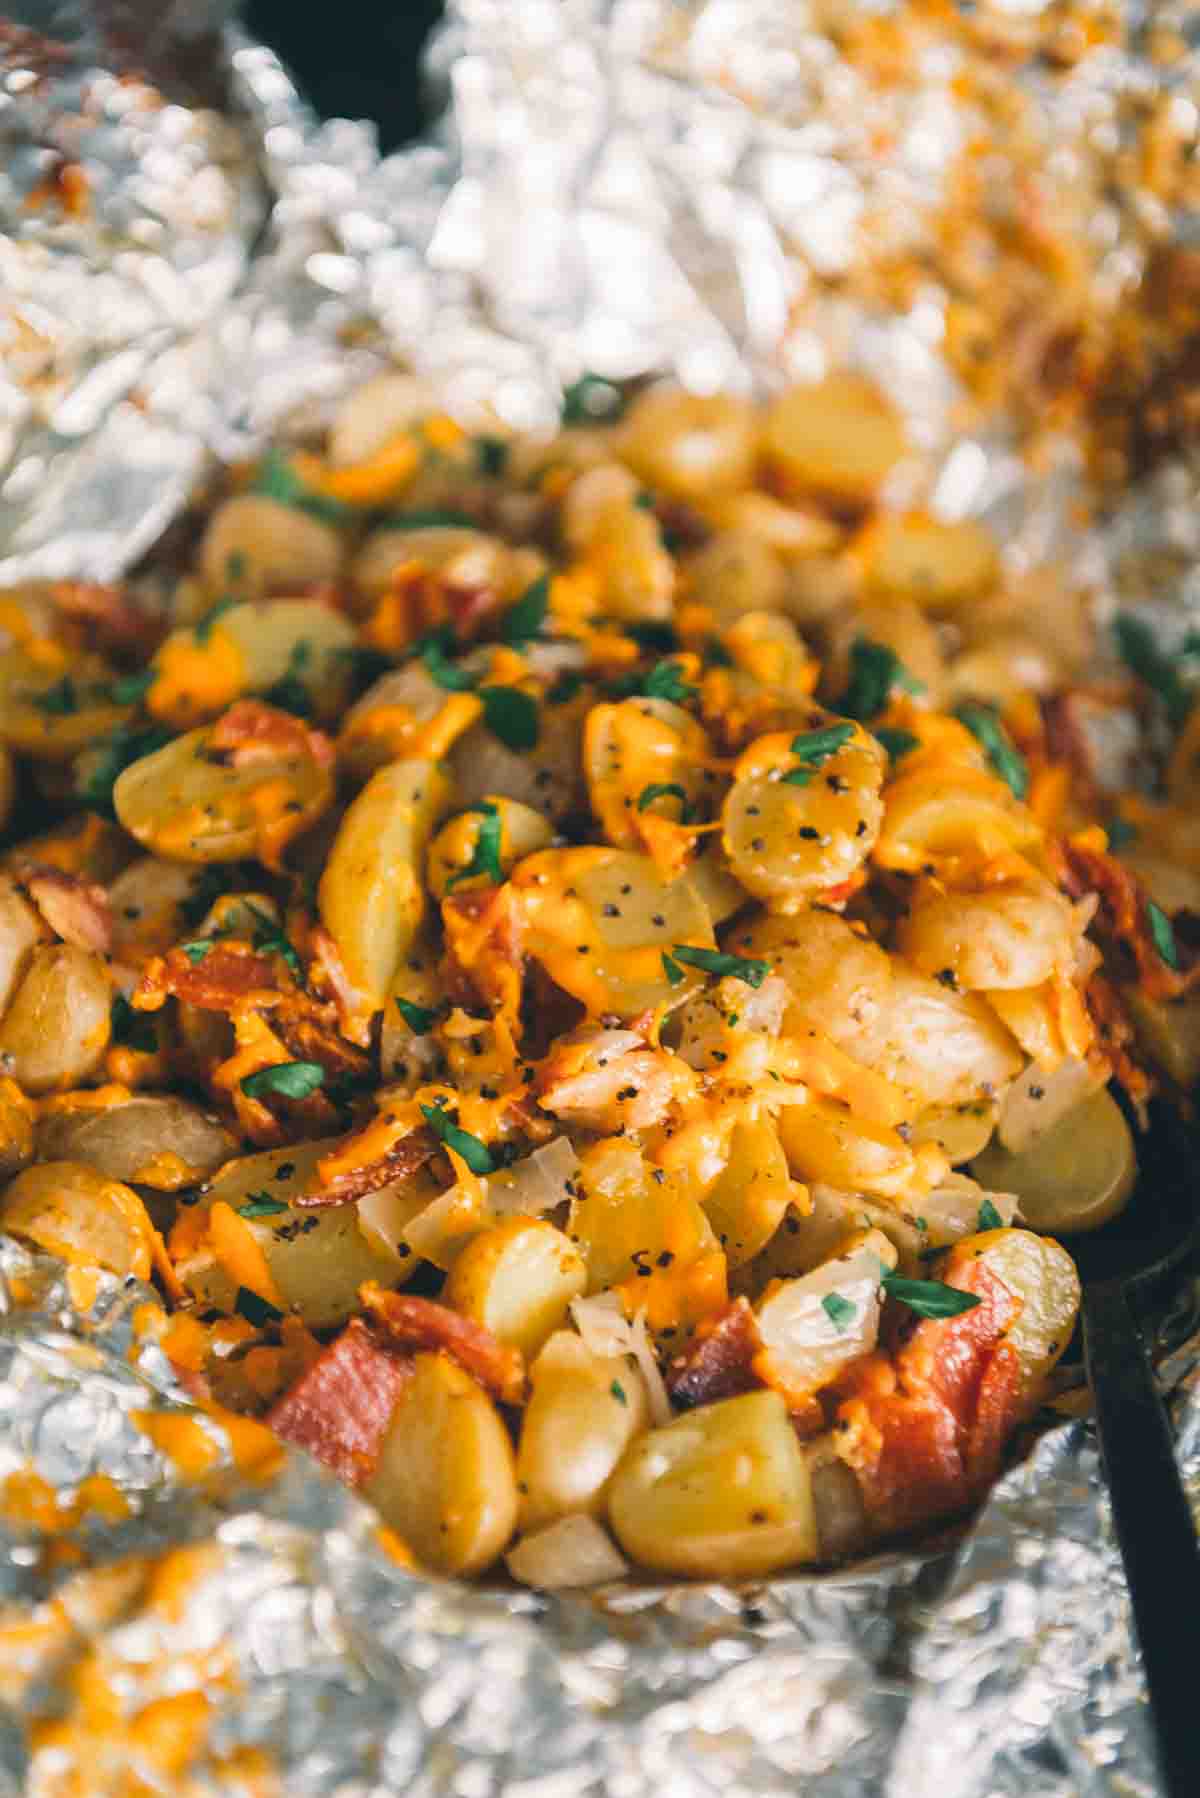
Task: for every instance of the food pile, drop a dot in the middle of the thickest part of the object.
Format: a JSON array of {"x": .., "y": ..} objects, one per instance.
[{"x": 591, "y": 972}]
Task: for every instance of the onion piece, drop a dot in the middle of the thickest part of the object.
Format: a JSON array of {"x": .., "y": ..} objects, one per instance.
[
  {"x": 605, "y": 1329},
  {"x": 574, "y": 1551}
]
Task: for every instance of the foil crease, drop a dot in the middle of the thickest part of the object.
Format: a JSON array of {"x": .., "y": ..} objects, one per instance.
[{"x": 623, "y": 186}]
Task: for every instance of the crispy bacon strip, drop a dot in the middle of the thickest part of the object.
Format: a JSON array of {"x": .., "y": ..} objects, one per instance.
[
  {"x": 410, "y": 1323},
  {"x": 116, "y": 621},
  {"x": 340, "y": 1409},
  {"x": 309, "y": 1036},
  {"x": 718, "y": 1362},
  {"x": 924, "y": 1429},
  {"x": 404, "y": 1157},
  {"x": 229, "y": 975},
  {"x": 75, "y": 910},
  {"x": 253, "y": 731},
  {"x": 1123, "y": 918}
]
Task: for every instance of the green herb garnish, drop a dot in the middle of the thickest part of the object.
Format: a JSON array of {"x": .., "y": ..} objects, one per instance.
[
  {"x": 127, "y": 689},
  {"x": 476, "y": 1154},
  {"x": 989, "y": 1218},
  {"x": 203, "y": 628},
  {"x": 1163, "y": 933},
  {"x": 60, "y": 700},
  {"x": 491, "y": 455},
  {"x": 196, "y": 951},
  {"x": 133, "y": 1029},
  {"x": 111, "y": 759},
  {"x": 419, "y": 1018},
  {"x": 261, "y": 1204},
  {"x": 290, "y": 1079},
  {"x": 665, "y": 681},
  {"x": 485, "y": 859},
  {"x": 672, "y": 970},
  {"x": 652, "y": 633},
  {"x": 277, "y": 479},
  {"x": 511, "y": 715},
  {"x": 1120, "y": 833},
  {"x": 289, "y": 692},
  {"x": 840, "y": 1311},
  {"x": 568, "y": 684},
  {"x": 433, "y": 652},
  {"x": 896, "y": 742},
  {"x": 1140, "y": 652},
  {"x": 618, "y": 1392},
  {"x": 875, "y": 669},
  {"x": 814, "y": 748},
  {"x": 269, "y": 938},
  {"x": 983, "y": 722},
  {"x": 257, "y": 1311},
  {"x": 526, "y": 618},
  {"x": 929, "y": 1298},
  {"x": 589, "y": 399},
  {"x": 666, "y": 790},
  {"x": 715, "y": 961}
]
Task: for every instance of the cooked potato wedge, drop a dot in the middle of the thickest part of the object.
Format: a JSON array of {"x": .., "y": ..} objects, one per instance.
[
  {"x": 1074, "y": 1177},
  {"x": 300, "y": 647},
  {"x": 149, "y": 1140},
  {"x": 839, "y": 438},
  {"x": 71, "y": 1211},
  {"x": 583, "y": 1412},
  {"x": 518, "y": 1280},
  {"x": 256, "y": 545},
  {"x": 1042, "y": 1275},
  {"x": 57, "y": 1025}
]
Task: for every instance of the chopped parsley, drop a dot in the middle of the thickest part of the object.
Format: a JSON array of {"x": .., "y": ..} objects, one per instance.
[
  {"x": 485, "y": 859},
  {"x": 672, "y": 970},
  {"x": 896, "y": 742},
  {"x": 840, "y": 1311},
  {"x": 289, "y": 692},
  {"x": 618, "y": 1392},
  {"x": 715, "y": 961},
  {"x": 110, "y": 760},
  {"x": 590, "y": 399},
  {"x": 133, "y": 1029},
  {"x": 1140, "y": 653},
  {"x": 568, "y": 684},
  {"x": 476, "y": 1154},
  {"x": 814, "y": 748},
  {"x": 60, "y": 700},
  {"x": 526, "y": 618},
  {"x": 983, "y": 722},
  {"x": 269, "y": 938},
  {"x": 875, "y": 669},
  {"x": 1163, "y": 933},
  {"x": 277, "y": 479},
  {"x": 433, "y": 652},
  {"x": 255, "y": 1309},
  {"x": 203, "y": 627},
  {"x": 929, "y": 1298},
  {"x": 261, "y": 1204},
  {"x": 989, "y": 1218},
  {"x": 1120, "y": 833},
  {"x": 127, "y": 689},
  {"x": 491, "y": 454},
  {"x": 419, "y": 1018},
  {"x": 290, "y": 1079},
  {"x": 511, "y": 715},
  {"x": 196, "y": 951},
  {"x": 666, "y": 790},
  {"x": 665, "y": 681}
]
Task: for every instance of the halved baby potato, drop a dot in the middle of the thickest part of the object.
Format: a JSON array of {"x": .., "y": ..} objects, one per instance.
[
  {"x": 583, "y": 1412},
  {"x": 517, "y": 1279},
  {"x": 1039, "y": 1272},
  {"x": 1076, "y": 1176}
]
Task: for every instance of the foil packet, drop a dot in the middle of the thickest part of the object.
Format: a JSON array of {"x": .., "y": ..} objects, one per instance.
[{"x": 735, "y": 192}]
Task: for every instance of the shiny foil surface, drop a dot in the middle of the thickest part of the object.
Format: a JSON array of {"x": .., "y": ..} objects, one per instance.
[{"x": 734, "y": 191}]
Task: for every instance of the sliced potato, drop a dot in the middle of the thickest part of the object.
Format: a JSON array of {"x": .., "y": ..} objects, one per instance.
[
  {"x": 53, "y": 711},
  {"x": 149, "y": 1140},
  {"x": 914, "y": 556},
  {"x": 371, "y": 415},
  {"x": 456, "y": 850},
  {"x": 146, "y": 901},
  {"x": 20, "y": 929},
  {"x": 16, "y": 1129},
  {"x": 69, "y": 1210},
  {"x": 1039, "y": 1099},
  {"x": 690, "y": 445},
  {"x": 839, "y": 438},
  {"x": 372, "y": 894},
  {"x": 1042, "y": 1275},
  {"x": 57, "y": 1026},
  {"x": 746, "y": 1203},
  {"x": 1169, "y": 1032},
  {"x": 518, "y": 1279},
  {"x": 445, "y": 1478},
  {"x": 722, "y": 1493},
  {"x": 300, "y": 646},
  {"x": 583, "y": 1412},
  {"x": 960, "y": 1131},
  {"x": 193, "y": 803},
  {"x": 257, "y": 545},
  {"x": 824, "y": 1141},
  {"x": 1011, "y": 935},
  {"x": 1074, "y": 1177}
]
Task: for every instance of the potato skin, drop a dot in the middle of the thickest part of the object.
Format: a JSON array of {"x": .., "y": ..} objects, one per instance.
[
  {"x": 584, "y": 1410},
  {"x": 57, "y": 1026}
]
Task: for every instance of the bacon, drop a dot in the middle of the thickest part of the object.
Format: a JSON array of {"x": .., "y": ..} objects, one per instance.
[
  {"x": 924, "y": 1430},
  {"x": 718, "y": 1362},
  {"x": 116, "y": 621},
  {"x": 310, "y": 1036},
  {"x": 403, "y": 1158},
  {"x": 420, "y": 1324},
  {"x": 253, "y": 731},
  {"x": 75, "y": 910},
  {"x": 339, "y": 1410},
  {"x": 1123, "y": 918},
  {"x": 230, "y": 975},
  {"x": 327, "y": 969},
  {"x": 1116, "y": 1036}
]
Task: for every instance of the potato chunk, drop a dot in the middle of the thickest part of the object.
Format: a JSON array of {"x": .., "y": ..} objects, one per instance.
[
  {"x": 517, "y": 1280},
  {"x": 584, "y": 1410}
]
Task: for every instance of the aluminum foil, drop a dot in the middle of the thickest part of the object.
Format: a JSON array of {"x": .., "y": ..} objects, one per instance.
[{"x": 714, "y": 187}]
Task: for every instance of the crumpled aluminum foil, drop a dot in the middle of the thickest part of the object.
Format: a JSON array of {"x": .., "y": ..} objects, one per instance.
[{"x": 622, "y": 186}]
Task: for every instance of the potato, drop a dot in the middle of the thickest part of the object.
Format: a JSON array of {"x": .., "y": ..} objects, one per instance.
[
  {"x": 404, "y": 715},
  {"x": 254, "y": 545},
  {"x": 793, "y": 828},
  {"x": 746, "y": 1203},
  {"x": 583, "y": 1412},
  {"x": 519, "y": 830},
  {"x": 723, "y": 1493},
  {"x": 575, "y": 1551},
  {"x": 1012, "y": 935},
  {"x": 192, "y": 803},
  {"x": 372, "y": 893},
  {"x": 21, "y": 928},
  {"x": 1076, "y": 1176},
  {"x": 548, "y": 777},
  {"x": 960, "y": 1131},
  {"x": 934, "y": 563},
  {"x": 634, "y": 747},
  {"x": 57, "y": 1026},
  {"x": 899, "y": 625},
  {"x": 618, "y": 544},
  {"x": 309, "y": 1261},
  {"x": 445, "y": 1479},
  {"x": 53, "y": 711},
  {"x": 931, "y": 818},
  {"x": 689, "y": 445},
  {"x": 299, "y": 646},
  {"x": 736, "y": 573},
  {"x": 149, "y": 1140},
  {"x": 517, "y": 1280},
  {"x": 369, "y": 417},
  {"x": 1042, "y": 1275},
  {"x": 146, "y": 901},
  {"x": 600, "y": 922},
  {"x": 839, "y": 438},
  {"x": 69, "y": 1210},
  {"x": 843, "y": 1527},
  {"x": 814, "y": 1326},
  {"x": 458, "y": 556},
  {"x": 824, "y": 1141},
  {"x": 16, "y": 1129},
  {"x": 1169, "y": 1032},
  {"x": 1038, "y": 1099}
]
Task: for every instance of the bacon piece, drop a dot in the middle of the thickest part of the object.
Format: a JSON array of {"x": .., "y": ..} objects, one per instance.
[
  {"x": 75, "y": 910},
  {"x": 924, "y": 1430},
  {"x": 718, "y": 1361},
  {"x": 309, "y": 1036},
  {"x": 1116, "y": 1037},
  {"x": 420, "y": 1324},
  {"x": 229, "y": 975},
  {"x": 327, "y": 969},
  {"x": 253, "y": 731},
  {"x": 404, "y": 1157},
  {"x": 116, "y": 621},
  {"x": 1123, "y": 919},
  {"x": 340, "y": 1409}
]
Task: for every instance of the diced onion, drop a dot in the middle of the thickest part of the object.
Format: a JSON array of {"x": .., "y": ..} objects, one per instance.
[
  {"x": 574, "y": 1551},
  {"x": 605, "y": 1329}
]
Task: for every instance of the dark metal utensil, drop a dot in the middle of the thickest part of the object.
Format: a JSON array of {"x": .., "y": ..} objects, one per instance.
[{"x": 1155, "y": 1532}]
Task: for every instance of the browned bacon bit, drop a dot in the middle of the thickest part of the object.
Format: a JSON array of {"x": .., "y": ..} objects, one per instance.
[
  {"x": 411, "y": 1323},
  {"x": 327, "y": 971},
  {"x": 229, "y": 975},
  {"x": 308, "y": 1036},
  {"x": 252, "y": 731},
  {"x": 339, "y": 1411},
  {"x": 718, "y": 1362},
  {"x": 1096, "y": 734},
  {"x": 75, "y": 910},
  {"x": 114, "y": 620},
  {"x": 404, "y": 1157},
  {"x": 1124, "y": 919},
  {"x": 1116, "y": 1036}
]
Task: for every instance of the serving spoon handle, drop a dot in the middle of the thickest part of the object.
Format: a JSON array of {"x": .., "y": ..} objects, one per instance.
[{"x": 1154, "y": 1526}]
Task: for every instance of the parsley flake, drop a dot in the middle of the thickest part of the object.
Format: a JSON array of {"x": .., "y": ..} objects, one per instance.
[
  {"x": 665, "y": 681},
  {"x": 433, "y": 651},
  {"x": 58, "y": 701},
  {"x": 277, "y": 479},
  {"x": 127, "y": 689},
  {"x": 896, "y": 742},
  {"x": 929, "y": 1298},
  {"x": 1140, "y": 652},
  {"x": 1120, "y": 833},
  {"x": 101, "y": 768},
  {"x": 476, "y": 1154},
  {"x": 290, "y": 1079},
  {"x": 672, "y": 970},
  {"x": 485, "y": 859},
  {"x": 983, "y": 722},
  {"x": 255, "y": 1309},
  {"x": 419, "y": 1018},
  {"x": 261, "y": 1204},
  {"x": 840, "y": 1311},
  {"x": 715, "y": 961},
  {"x": 203, "y": 628},
  {"x": 989, "y": 1218},
  {"x": 526, "y": 618},
  {"x": 196, "y": 951},
  {"x": 875, "y": 669},
  {"x": 666, "y": 790},
  {"x": 511, "y": 715},
  {"x": 1163, "y": 933},
  {"x": 269, "y": 938},
  {"x": 618, "y": 1392}
]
